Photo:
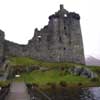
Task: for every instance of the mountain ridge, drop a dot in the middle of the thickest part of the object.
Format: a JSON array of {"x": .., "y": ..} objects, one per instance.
[{"x": 90, "y": 60}]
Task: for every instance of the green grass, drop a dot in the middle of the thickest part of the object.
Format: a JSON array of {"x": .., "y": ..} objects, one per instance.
[
  {"x": 22, "y": 61},
  {"x": 95, "y": 69},
  {"x": 52, "y": 76},
  {"x": 4, "y": 83},
  {"x": 26, "y": 62}
]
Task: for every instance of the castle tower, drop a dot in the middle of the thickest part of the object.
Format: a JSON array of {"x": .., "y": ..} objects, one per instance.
[
  {"x": 61, "y": 39},
  {"x": 76, "y": 41},
  {"x": 65, "y": 38}
]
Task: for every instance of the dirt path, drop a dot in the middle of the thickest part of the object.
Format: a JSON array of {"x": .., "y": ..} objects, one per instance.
[{"x": 18, "y": 91}]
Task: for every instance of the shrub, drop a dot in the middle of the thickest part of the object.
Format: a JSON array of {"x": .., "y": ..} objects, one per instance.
[
  {"x": 4, "y": 83},
  {"x": 49, "y": 84},
  {"x": 35, "y": 85},
  {"x": 29, "y": 85},
  {"x": 62, "y": 68},
  {"x": 52, "y": 85},
  {"x": 95, "y": 79},
  {"x": 79, "y": 84},
  {"x": 63, "y": 83}
]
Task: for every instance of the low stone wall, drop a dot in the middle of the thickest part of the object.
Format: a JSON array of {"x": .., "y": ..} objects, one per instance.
[{"x": 13, "y": 49}]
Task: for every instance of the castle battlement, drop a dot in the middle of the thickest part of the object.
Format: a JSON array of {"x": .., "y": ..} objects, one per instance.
[{"x": 63, "y": 13}]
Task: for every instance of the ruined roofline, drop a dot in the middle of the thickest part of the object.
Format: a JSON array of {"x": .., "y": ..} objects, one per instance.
[
  {"x": 64, "y": 13},
  {"x": 69, "y": 14},
  {"x": 14, "y": 43},
  {"x": 57, "y": 15}
]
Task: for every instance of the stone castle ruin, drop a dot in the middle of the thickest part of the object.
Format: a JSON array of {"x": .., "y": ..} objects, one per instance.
[{"x": 59, "y": 41}]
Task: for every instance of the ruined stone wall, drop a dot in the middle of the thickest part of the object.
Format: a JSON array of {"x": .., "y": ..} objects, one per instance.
[
  {"x": 59, "y": 41},
  {"x": 1, "y": 46},
  {"x": 14, "y": 49}
]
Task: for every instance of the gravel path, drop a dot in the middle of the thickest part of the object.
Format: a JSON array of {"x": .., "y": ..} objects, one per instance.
[{"x": 18, "y": 91}]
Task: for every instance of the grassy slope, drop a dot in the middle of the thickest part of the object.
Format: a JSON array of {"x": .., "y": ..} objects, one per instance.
[
  {"x": 28, "y": 61},
  {"x": 52, "y": 76}
]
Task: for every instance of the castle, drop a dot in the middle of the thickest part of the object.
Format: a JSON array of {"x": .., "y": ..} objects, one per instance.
[{"x": 59, "y": 41}]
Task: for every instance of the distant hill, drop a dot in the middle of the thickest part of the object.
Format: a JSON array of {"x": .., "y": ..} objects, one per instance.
[{"x": 90, "y": 60}]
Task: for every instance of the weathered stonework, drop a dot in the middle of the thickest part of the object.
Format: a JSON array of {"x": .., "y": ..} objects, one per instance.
[
  {"x": 2, "y": 46},
  {"x": 59, "y": 41}
]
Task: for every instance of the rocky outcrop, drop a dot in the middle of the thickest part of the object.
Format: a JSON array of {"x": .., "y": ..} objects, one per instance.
[
  {"x": 59, "y": 41},
  {"x": 85, "y": 72}
]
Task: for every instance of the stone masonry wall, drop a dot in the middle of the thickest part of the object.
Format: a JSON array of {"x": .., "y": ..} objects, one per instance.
[
  {"x": 1, "y": 46},
  {"x": 59, "y": 41}
]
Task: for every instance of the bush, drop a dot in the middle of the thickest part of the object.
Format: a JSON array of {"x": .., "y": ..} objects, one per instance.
[
  {"x": 29, "y": 85},
  {"x": 79, "y": 84},
  {"x": 63, "y": 83},
  {"x": 52, "y": 85},
  {"x": 62, "y": 68},
  {"x": 35, "y": 85},
  {"x": 4, "y": 83},
  {"x": 95, "y": 79}
]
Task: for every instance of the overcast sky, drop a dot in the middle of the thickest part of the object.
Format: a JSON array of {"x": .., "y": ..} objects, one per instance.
[{"x": 19, "y": 18}]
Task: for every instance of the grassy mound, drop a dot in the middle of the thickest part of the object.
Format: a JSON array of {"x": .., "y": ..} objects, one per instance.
[{"x": 17, "y": 61}]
